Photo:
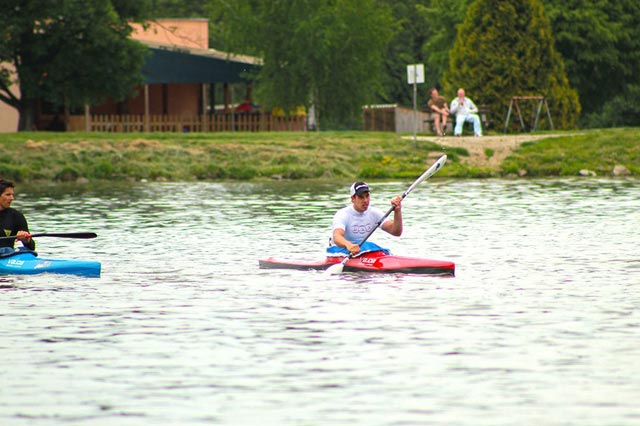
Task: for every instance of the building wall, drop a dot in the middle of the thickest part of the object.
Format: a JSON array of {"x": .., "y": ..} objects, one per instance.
[
  {"x": 175, "y": 32},
  {"x": 8, "y": 115},
  {"x": 180, "y": 99},
  {"x": 8, "y": 118},
  {"x": 183, "y": 99}
]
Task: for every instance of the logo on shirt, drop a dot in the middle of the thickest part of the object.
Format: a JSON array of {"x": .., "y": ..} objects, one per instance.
[{"x": 361, "y": 229}]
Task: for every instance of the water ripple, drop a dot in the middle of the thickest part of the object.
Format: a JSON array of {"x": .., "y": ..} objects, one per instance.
[{"x": 539, "y": 324}]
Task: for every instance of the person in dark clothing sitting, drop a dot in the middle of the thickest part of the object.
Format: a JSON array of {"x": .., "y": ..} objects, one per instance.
[{"x": 12, "y": 222}]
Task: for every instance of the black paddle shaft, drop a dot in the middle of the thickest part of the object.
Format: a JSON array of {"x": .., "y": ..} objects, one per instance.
[
  {"x": 377, "y": 225},
  {"x": 80, "y": 235}
]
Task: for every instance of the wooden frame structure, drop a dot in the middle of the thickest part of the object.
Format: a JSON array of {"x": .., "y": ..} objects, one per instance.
[{"x": 515, "y": 104}]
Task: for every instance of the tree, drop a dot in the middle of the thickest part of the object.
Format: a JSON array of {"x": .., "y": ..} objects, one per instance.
[
  {"x": 325, "y": 54},
  {"x": 505, "y": 48},
  {"x": 442, "y": 19},
  {"x": 600, "y": 41},
  {"x": 404, "y": 48},
  {"x": 178, "y": 9},
  {"x": 68, "y": 53}
]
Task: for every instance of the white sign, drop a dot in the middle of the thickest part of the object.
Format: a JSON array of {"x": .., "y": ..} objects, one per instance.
[{"x": 415, "y": 73}]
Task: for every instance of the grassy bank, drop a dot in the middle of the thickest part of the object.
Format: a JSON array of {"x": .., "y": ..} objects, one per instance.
[
  {"x": 598, "y": 151},
  {"x": 249, "y": 156}
]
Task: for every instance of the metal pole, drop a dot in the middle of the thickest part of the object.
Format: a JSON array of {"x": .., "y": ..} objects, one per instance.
[
  {"x": 415, "y": 114},
  {"x": 548, "y": 114},
  {"x": 506, "y": 123},
  {"x": 535, "y": 123}
]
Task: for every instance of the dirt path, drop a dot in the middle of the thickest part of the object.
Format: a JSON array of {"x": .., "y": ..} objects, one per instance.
[{"x": 502, "y": 146}]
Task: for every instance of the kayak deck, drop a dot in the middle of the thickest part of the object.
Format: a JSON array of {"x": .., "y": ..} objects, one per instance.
[
  {"x": 27, "y": 263},
  {"x": 368, "y": 262}
]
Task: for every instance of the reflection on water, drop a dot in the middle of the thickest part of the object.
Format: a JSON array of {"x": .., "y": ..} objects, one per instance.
[{"x": 540, "y": 324}]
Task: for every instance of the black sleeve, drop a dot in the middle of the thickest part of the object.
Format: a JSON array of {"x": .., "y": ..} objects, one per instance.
[{"x": 20, "y": 224}]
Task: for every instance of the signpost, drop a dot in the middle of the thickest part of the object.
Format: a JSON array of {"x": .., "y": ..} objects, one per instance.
[{"x": 415, "y": 75}]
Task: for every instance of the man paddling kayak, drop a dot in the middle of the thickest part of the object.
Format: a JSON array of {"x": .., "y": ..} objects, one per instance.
[
  {"x": 12, "y": 222},
  {"x": 352, "y": 223}
]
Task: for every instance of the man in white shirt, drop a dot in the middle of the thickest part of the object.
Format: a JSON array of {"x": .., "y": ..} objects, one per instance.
[
  {"x": 352, "y": 223},
  {"x": 465, "y": 111}
]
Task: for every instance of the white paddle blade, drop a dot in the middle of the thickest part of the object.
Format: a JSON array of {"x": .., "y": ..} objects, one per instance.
[
  {"x": 335, "y": 269},
  {"x": 426, "y": 175}
]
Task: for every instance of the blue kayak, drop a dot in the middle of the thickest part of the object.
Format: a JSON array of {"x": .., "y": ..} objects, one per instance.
[{"x": 27, "y": 262}]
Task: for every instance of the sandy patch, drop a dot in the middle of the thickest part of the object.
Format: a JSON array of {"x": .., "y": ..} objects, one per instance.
[{"x": 502, "y": 146}]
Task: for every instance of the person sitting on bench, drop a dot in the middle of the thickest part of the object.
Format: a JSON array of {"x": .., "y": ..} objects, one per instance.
[
  {"x": 439, "y": 110},
  {"x": 465, "y": 111}
]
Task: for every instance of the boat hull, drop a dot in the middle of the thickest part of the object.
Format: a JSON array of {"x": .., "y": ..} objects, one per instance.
[
  {"x": 27, "y": 263},
  {"x": 368, "y": 262}
]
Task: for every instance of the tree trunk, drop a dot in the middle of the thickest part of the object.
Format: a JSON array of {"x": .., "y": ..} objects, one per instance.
[{"x": 27, "y": 121}]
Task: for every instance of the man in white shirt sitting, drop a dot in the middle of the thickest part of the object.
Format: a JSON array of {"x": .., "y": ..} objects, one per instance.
[
  {"x": 352, "y": 223},
  {"x": 465, "y": 111}
]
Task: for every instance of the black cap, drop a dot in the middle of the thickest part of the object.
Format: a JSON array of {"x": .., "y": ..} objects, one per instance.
[{"x": 359, "y": 188}]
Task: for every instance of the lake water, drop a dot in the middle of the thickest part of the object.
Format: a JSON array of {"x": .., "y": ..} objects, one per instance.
[{"x": 540, "y": 326}]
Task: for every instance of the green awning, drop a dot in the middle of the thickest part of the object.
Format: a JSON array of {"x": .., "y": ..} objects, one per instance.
[{"x": 183, "y": 65}]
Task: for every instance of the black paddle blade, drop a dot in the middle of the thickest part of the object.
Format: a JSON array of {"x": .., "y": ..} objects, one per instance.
[{"x": 81, "y": 235}]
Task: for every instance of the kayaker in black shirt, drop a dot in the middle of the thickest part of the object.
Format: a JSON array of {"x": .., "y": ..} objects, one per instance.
[{"x": 12, "y": 222}]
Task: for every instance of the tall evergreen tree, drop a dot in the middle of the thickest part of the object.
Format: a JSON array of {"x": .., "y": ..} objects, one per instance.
[{"x": 505, "y": 48}]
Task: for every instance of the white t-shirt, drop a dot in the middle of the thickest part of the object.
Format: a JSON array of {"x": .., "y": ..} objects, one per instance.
[{"x": 356, "y": 225}]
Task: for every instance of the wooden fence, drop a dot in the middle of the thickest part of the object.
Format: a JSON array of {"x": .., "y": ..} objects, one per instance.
[
  {"x": 393, "y": 118},
  {"x": 219, "y": 122}
]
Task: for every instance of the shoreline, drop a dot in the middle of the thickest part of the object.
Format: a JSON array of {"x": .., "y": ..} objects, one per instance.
[{"x": 350, "y": 155}]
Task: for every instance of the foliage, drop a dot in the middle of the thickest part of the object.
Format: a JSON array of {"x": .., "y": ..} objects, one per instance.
[
  {"x": 403, "y": 49},
  {"x": 505, "y": 48},
  {"x": 68, "y": 53},
  {"x": 322, "y": 53},
  {"x": 178, "y": 9},
  {"x": 340, "y": 54},
  {"x": 621, "y": 110},
  {"x": 443, "y": 19},
  {"x": 600, "y": 41}
]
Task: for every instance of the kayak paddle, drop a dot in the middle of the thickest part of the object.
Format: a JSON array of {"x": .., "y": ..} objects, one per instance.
[
  {"x": 338, "y": 267},
  {"x": 82, "y": 235}
]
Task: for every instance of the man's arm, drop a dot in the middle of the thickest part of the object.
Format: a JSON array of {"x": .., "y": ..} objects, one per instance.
[
  {"x": 454, "y": 106},
  {"x": 26, "y": 239},
  {"x": 473, "y": 109},
  {"x": 341, "y": 241},
  {"x": 394, "y": 227},
  {"x": 23, "y": 232}
]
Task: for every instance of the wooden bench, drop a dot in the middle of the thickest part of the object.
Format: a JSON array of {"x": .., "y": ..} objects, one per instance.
[{"x": 483, "y": 112}]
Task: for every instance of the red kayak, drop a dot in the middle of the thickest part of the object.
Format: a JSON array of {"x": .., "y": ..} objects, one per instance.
[{"x": 376, "y": 261}]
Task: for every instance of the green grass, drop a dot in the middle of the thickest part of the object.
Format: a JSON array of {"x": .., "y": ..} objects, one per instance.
[
  {"x": 63, "y": 156},
  {"x": 595, "y": 150}
]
